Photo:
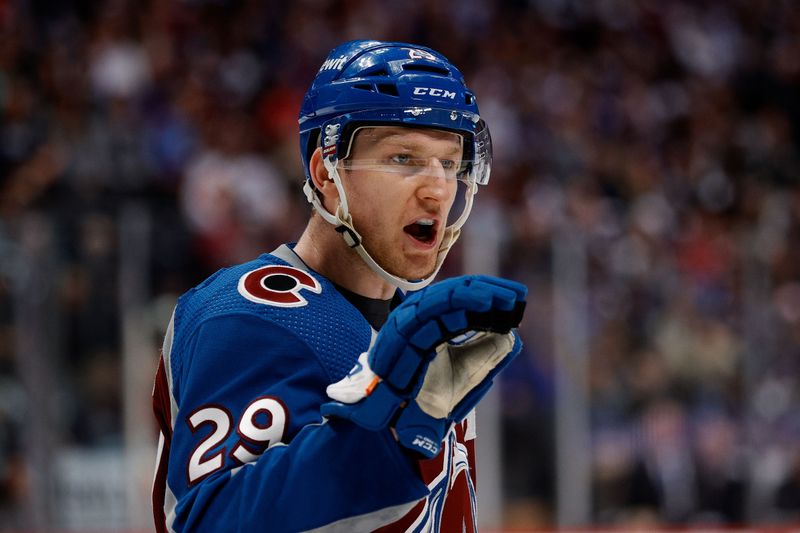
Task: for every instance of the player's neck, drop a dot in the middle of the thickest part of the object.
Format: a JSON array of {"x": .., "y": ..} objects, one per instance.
[{"x": 324, "y": 250}]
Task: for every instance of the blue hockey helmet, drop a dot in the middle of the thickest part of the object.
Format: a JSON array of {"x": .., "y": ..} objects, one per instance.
[
  {"x": 375, "y": 82},
  {"x": 372, "y": 83}
]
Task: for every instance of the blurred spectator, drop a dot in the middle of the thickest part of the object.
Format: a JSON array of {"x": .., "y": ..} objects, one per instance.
[
  {"x": 663, "y": 477},
  {"x": 233, "y": 198}
]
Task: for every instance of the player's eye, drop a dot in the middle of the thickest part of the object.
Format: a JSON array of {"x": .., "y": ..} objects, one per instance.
[
  {"x": 401, "y": 159},
  {"x": 447, "y": 164}
]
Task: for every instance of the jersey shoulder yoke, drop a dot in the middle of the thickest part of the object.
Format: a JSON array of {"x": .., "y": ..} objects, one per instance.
[{"x": 300, "y": 301}]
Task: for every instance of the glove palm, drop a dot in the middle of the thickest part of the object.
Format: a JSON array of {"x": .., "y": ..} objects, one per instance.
[{"x": 435, "y": 358}]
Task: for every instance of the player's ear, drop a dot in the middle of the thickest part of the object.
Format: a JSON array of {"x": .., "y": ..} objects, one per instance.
[{"x": 322, "y": 181}]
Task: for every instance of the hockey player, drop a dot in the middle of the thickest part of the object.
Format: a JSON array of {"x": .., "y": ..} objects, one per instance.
[{"x": 326, "y": 385}]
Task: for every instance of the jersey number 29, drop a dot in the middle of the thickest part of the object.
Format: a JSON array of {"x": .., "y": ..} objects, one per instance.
[{"x": 262, "y": 424}]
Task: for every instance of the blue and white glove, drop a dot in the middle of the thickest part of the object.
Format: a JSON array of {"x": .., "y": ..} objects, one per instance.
[{"x": 433, "y": 360}]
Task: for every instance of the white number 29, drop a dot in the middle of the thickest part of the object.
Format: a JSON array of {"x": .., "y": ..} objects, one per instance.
[{"x": 262, "y": 424}]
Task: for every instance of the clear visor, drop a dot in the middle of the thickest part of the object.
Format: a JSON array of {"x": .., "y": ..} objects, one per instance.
[
  {"x": 414, "y": 153},
  {"x": 408, "y": 153},
  {"x": 456, "y": 144}
]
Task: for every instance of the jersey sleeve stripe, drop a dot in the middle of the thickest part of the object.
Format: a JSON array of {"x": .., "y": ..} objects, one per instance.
[{"x": 366, "y": 522}]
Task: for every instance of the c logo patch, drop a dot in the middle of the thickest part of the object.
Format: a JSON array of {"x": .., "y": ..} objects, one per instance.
[{"x": 277, "y": 285}]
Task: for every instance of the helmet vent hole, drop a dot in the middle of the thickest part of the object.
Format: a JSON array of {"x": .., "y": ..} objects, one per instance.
[
  {"x": 388, "y": 88},
  {"x": 469, "y": 99},
  {"x": 376, "y": 72},
  {"x": 427, "y": 68},
  {"x": 364, "y": 86}
]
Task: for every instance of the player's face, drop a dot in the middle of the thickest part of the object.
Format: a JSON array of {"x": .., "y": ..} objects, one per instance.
[{"x": 401, "y": 184}]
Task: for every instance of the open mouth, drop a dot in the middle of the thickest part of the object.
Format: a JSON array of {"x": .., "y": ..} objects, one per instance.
[{"x": 424, "y": 230}]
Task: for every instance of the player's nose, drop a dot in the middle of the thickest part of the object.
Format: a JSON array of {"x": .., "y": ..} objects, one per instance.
[{"x": 435, "y": 182}]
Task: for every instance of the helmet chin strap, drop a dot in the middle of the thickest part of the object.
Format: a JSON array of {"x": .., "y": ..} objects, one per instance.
[{"x": 343, "y": 222}]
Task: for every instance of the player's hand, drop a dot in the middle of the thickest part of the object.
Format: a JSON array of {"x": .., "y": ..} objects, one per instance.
[{"x": 433, "y": 360}]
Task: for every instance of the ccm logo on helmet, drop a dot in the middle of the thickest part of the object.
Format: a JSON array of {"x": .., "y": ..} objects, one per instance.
[
  {"x": 433, "y": 91},
  {"x": 277, "y": 285}
]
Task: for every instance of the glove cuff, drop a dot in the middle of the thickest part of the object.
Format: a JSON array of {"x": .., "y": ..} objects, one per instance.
[
  {"x": 419, "y": 431},
  {"x": 373, "y": 413}
]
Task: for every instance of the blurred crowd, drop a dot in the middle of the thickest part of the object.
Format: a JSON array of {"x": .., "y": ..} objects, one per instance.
[{"x": 661, "y": 138}]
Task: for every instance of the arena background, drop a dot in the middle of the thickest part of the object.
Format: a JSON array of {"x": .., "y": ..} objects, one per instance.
[{"x": 645, "y": 188}]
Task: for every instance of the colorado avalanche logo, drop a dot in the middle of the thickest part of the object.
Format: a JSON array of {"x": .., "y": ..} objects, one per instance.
[{"x": 277, "y": 285}]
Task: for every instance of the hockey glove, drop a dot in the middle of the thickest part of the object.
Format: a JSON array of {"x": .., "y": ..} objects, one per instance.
[{"x": 435, "y": 358}]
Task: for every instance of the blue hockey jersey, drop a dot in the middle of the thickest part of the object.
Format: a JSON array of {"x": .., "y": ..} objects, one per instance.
[{"x": 243, "y": 447}]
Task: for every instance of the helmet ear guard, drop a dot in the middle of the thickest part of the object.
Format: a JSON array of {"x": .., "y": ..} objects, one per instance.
[{"x": 364, "y": 83}]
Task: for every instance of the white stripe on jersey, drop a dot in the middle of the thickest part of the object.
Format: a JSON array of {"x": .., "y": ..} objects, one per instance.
[
  {"x": 368, "y": 521},
  {"x": 170, "y": 501}
]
